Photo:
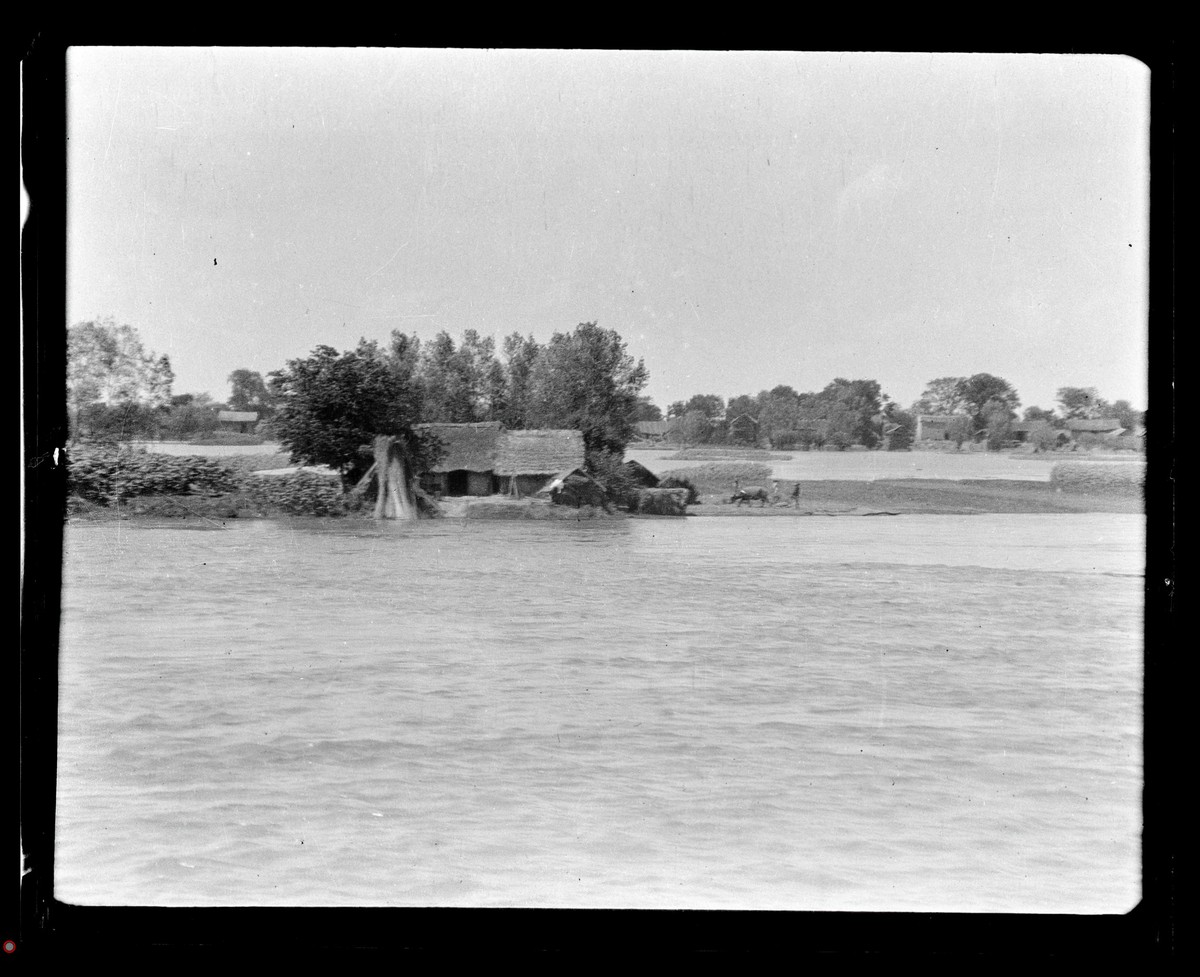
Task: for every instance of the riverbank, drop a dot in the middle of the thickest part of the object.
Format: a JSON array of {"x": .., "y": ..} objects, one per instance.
[
  {"x": 926, "y": 497},
  {"x": 819, "y": 498}
]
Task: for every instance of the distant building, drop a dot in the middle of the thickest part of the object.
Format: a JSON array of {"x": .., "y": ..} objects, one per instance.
[
  {"x": 652, "y": 430},
  {"x": 934, "y": 427},
  {"x": 242, "y": 421}
]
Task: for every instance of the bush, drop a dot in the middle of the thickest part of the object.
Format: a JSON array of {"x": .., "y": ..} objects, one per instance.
[
  {"x": 674, "y": 482},
  {"x": 298, "y": 493},
  {"x": 663, "y": 502},
  {"x": 619, "y": 484},
  {"x": 1099, "y": 477},
  {"x": 108, "y": 473}
]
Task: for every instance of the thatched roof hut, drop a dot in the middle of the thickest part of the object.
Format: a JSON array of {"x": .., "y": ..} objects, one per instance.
[
  {"x": 527, "y": 460},
  {"x": 483, "y": 458},
  {"x": 539, "y": 452},
  {"x": 468, "y": 447},
  {"x": 640, "y": 474}
]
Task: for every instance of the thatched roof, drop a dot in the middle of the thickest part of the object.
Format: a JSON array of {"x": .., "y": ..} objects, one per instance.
[
  {"x": 640, "y": 473},
  {"x": 239, "y": 416},
  {"x": 469, "y": 447},
  {"x": 539, "y": 452}
]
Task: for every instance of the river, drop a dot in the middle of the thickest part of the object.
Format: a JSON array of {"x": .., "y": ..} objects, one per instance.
[{"x": 922, "y": 713}]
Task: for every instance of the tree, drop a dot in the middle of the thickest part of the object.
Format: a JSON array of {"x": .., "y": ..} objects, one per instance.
[
  {"x": 1128, "y": 418},
  {"x": 331, "y": 406},
  {"x": 979, "y": 392},
  {"x": 587, "y": 380},
  {"x": 446, "y": 382},
  {"x": 1079, "y": 402},
  {"x": 942, "y": 396},
  {"x": 107, "y": 364},
  {"x": 646, "y": 410},
  {"x": 960, "y": 430},
  {"x": 997, "y": 419},
  {"x": 520, "y": 354},
  {"x": 1043, "y": 436},
  {"x": 741, "y": 420},
  {"x": 778, "y": 412},
  {"x": 190, "y": 414},
  {"x": 249, "y": 392},
  {"x": 901, "y": 427},
  {"x": 1033, "y": 414},
  {"x": 695, "y": 427}
]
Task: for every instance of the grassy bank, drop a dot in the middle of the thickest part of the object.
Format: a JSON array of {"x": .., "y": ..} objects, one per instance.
[{"x": 926, "y": 496}]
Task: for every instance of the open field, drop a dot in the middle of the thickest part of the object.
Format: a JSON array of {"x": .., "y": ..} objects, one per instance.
[{"x": 808, "y": 466}]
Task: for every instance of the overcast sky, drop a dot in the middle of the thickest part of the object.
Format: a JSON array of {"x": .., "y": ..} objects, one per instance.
[{"x": 742, "y": 220}]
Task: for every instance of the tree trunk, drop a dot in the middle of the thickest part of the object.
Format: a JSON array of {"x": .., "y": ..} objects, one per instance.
[{"x": 394, "y": 499}]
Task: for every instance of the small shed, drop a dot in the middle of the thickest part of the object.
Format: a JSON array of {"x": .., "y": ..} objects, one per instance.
[
  {"x": 526, "y": 461},
  {"x": 241, "y": 421},
  {"x": 652, "y": 430}
]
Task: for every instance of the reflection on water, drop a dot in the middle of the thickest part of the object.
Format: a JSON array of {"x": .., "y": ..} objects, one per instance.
[{"x": 921, "y": 713}]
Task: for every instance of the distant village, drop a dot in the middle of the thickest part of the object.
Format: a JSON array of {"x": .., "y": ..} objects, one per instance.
[{"x": 472, "y": 423}]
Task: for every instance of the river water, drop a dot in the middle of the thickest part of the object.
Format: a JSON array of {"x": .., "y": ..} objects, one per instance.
[{"x": 923, "y": 713}]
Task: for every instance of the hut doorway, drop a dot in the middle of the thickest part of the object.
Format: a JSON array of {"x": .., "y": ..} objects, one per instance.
[{"x": 458, "y": 482}]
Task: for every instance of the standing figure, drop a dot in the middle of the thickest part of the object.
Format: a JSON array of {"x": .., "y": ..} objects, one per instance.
[{"x": 796, "y": 494}]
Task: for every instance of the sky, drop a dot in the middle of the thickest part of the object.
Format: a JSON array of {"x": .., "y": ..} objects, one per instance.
[{"x": 742, "y": 219}]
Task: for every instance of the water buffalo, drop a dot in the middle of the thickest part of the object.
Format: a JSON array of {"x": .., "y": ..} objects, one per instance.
[{"x": 749, "y": 494}]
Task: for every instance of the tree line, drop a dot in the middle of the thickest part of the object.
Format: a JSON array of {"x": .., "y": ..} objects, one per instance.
[
  {"x": 983, "y": 408},
  {"x": 326, "y": 407}
]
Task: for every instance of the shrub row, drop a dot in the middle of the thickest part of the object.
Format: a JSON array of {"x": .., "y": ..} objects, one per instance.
[
  {"x": 298, "y": 493},
  {"x": 1099, "y": 477},
  {"x": 107, "y": 474}
]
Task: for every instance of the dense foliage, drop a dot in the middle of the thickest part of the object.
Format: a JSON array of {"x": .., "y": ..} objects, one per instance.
[
  {"x": 1099, "y": 477},
  {"x": 107, "y": 474},
  {"x": 296, "y": 493},
  {"x": 332, "y": 405},
  {"x": 587, "y": 381},
  {"x": 107, "y": 364}
]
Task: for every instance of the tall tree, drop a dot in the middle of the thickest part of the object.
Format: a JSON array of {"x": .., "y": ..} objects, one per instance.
[
  {"x": 446, "y": 382},
  {"x": 107, "y": 364},
  {"x": 942, "y": 396},
  {"x": 520, "y": 354},
  {"x": 1129, "y": 418},
  {"x": 588, "y": 381},
  {"x": 249, "y": 392},
  {"x": 980, "y": 390},
  {"x": 778, "y": 411},
  {"x": 646, "y": 410},
  {"x": 1082, "y": 402},
  {"x": 1033, "y": 414},
  {"x": 331, "y": 406}
]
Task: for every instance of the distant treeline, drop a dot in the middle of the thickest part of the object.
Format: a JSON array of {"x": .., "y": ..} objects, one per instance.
[{"x": 584, "y": 379}]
